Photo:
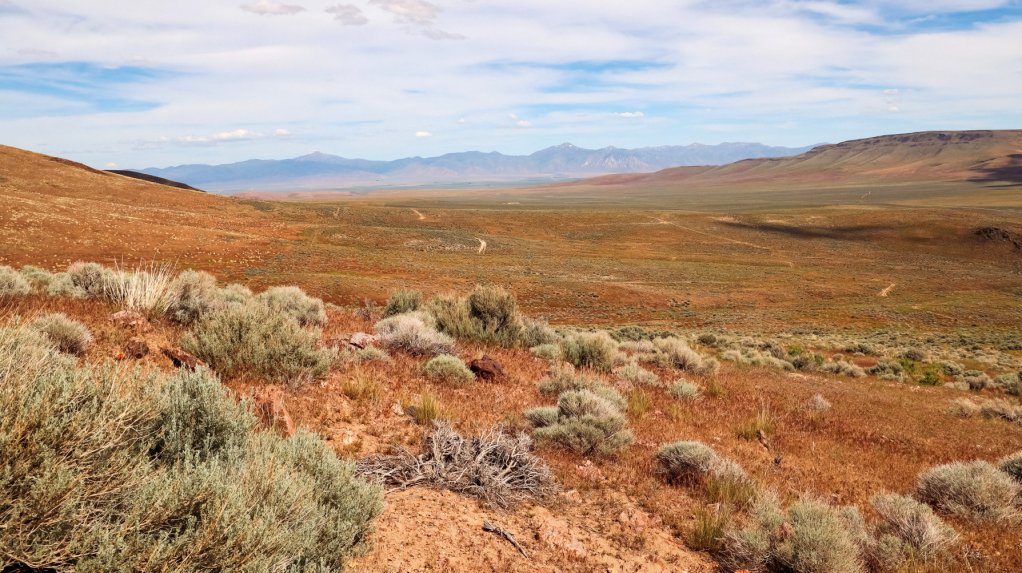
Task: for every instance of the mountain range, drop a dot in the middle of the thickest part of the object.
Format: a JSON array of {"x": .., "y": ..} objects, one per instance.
[{"x": 320, "y": 171}]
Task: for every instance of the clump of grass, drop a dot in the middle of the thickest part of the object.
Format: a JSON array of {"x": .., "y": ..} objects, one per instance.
[
  {"x": 709, "y": 528},
  {"x": 413, "y": 334},
  {"x": 763, "y": 422},
  {"x": 361, "y": 387},
  {"x": 147, "y": 289},
  {"x": 254, "y": 338},
  {"x": 635, "y": 374},
  {"x": 426, "y": 409},
  {"x": 909, "y": 532},
  {"x": 593, "y": 350},
  {"x": 401, "y": 302},
  {"x": 587, "y": 422},
  {"x": 174, "y": 460},
  {"x": 975, "y": 490},
  {"x": 640, "y": 403},
  {"x": 13, "y": 283},
  {"x": 292, "y": 301},
  {"x": 194, "y": 293},
  {"x": 714, "y": 389},
  {"x": 684, "y": 390},
  {"x": 450, "y": 369},
  {"x": 66, "y": 335}
]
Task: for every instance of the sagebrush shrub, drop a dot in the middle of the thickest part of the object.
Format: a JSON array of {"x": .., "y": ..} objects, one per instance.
[
  {"x": 413, "y": 334},
  {"x": 450, "y": 369},
  {"x": 194, "y": 293},
  {"x": 254, "y": 338},
  {"x": 13, "y": 283},
  {"x": 547, "y": 351},
  {"x": 234, "y": 294},
  {"x": 595, "y": 350},
  {"x": 66, "y": 335},
  {"x": 818, "y": 404},
  {"x": 636, "y": 374},
  {"x": 822, "y": 539},
  {"x": 976, "y": 490},
  {"x": 684, "y": 461},
  {"x": 62, "y": 285},
  {"x": 401, "y": 302},
  {"x": 922, "y": 535},
  {"x": 38, "y": 276},
  {"x": 174, "y": 461},
  {"x": 585, "y": 423},
  {"x": 293, "y": 302},
  {"x": 92, "y": 280},
  {"x": 1012, "y": 465},
  {"x": 684, "y": 390},
  {"x": 752, "y": 547}
]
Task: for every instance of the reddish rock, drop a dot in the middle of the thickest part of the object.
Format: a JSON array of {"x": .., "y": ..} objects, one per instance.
[
  {"x": 182, "y": 359},
  {"x": 554, "y": 533},
  {"x": 136, "y": 348},
  {"x": 131, "y": 319},
  {"x": 269, "y": 407},
  {"x": 361, "y": 340},
  {"x": 486, "y": 368}
]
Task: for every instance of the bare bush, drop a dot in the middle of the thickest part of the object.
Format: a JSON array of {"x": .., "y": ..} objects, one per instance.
[{"x": 495, "y": 466}]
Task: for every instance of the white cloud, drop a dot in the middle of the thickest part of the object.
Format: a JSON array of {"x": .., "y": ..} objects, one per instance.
[
  {"x": 267, "y": 8},
  {"x": 281, "y": 133},
  {"x": 348, "y": 14},
  {"x": 631, "y": 114},
  {"x": 111, "y": 165},
  {"x": 423, "y": 134},
  {"x": 420, "y": 17}
]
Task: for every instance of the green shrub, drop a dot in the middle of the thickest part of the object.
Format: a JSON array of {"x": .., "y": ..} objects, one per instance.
[
  {"x": 293, "y": 301},
  {"x": 194, "y": 293},
  {"x": 487, "y": 314},
  {"x": 234, "y": 294},
  {"x": 595, "y": 350},
  {"x": 1012, "y": 465},
  {"x": 635, "y": 374},
  {"x": 684, "y": 390},
  {"x": 66, "y": 335},
  {"x": 13, "y": 283},
  {"x": 401, "y": 302},
  {"x": 976, "y": 490},
  {"x": 173, "y": 461},
  {"x": 412, "y": 334},
  {"x": 547, "y": 351},
  {"x": 921, "y": 535},
  {"x": 537, "y": 333},
  {"x": 450, "y": 369},
  {"x": 821, "y": 539},
  {"x": 38, "y": 276},
  {"x": 254, "y": 338},
  {"x": 931, "y": 376},
  {"x": 92, "y": 280},
  {"x": 587, "y": 423}
]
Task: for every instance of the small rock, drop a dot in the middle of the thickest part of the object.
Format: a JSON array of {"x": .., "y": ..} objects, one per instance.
[
  {"x": 397, "y": 410},
  {"x": 634, "y": 520},
  {"x": 554, "y": 533},
  {"x": 136, "y": 348},
  {"x": 486, "y": 368},
  {"x": 361, "y": 340},
  {"x": 182, "y": 359},
  {"x": 131, "y": 319},
  {"x": 269, "y": 407}
]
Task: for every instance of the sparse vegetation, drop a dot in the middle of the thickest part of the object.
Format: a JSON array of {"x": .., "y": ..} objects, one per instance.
[
  {"x": 66, "y": 335},
  {"x": 450, "y": 369}
]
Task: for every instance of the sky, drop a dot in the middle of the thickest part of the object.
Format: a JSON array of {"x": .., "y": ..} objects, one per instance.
[{"x": 151, "y": 83}]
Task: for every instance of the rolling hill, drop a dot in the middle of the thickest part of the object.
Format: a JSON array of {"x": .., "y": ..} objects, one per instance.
[{"x": 320, "y": 171}]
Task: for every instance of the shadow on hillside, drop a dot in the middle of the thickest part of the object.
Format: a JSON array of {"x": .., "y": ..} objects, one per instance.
[
  {"x": 846, "y": 233},
  {"x": 1006, "y": 175}
]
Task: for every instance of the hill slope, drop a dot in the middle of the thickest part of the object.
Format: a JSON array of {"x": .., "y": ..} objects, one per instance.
[
  {"x": 323, "y": 171},
  {"x": 54, "y": 211}
]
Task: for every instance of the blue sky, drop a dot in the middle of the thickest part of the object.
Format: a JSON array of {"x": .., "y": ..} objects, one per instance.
[{"x": 121, "y": 82}]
